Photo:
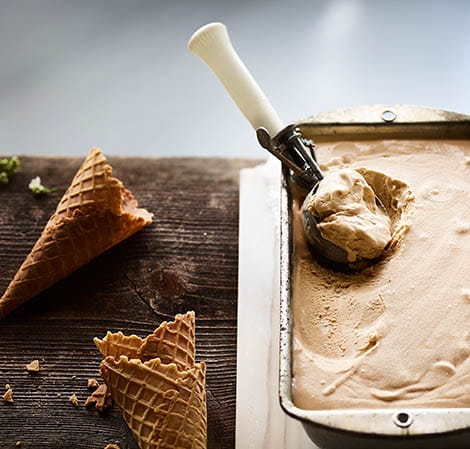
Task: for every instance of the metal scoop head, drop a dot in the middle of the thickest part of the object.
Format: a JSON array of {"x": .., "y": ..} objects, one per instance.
[{"x": 298, "y": 154}]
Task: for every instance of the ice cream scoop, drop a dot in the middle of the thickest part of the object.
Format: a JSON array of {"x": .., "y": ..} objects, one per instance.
[
  {"x": 212, "y": 44},
  {"x": 348, "y": 214}
]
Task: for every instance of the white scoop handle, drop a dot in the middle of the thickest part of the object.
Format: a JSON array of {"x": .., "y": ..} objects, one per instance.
[{"x": 212, "y": 44}]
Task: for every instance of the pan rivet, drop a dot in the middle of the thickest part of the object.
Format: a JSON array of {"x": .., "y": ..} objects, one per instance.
[
  {"x": 388, "y": 116},
  {"x": 402, "y": 419}
]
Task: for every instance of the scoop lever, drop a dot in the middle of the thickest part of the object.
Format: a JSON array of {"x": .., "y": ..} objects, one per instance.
[{"x": 295, "y": 152}]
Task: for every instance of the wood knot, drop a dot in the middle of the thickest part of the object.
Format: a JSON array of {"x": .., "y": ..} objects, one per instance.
[{"x": 168, "y": 284}]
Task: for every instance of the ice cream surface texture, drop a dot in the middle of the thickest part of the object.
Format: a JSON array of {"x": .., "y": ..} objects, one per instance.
[
  {"x": 348, "y": 215},
  {"x": 398, "y": 332}
]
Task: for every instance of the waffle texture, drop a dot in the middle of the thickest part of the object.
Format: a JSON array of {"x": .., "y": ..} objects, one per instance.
[
  {"x": 157, "y": 384},
  {"x": 95, "y": 213},
  {"x": 171, "y": 342}
]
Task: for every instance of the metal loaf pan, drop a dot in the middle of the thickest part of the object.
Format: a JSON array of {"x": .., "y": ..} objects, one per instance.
[{"x": 430, "y": 428}]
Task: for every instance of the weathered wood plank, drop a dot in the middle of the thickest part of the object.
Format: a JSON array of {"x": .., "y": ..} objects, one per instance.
[{"x": 186, "y": 260}]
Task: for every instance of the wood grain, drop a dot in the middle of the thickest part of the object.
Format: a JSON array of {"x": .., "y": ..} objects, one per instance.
[{"x": 186, "y": 260}]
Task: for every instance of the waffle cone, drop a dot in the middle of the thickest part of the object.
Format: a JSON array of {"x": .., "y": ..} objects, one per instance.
[
  {"x": 95, "y": 213},
  {"x": 172, "y": 342},
  {"x": 163, "y": 406},
  {"x": 163, "y": 403},
  {"x": 117, "y": 344}
]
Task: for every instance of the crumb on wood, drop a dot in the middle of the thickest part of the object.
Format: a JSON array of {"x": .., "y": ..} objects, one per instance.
[
  {"x": 112, "y": 446},
  {"x": 100, "y": 397},
  {"x": 19, "y": 443},
  {"x": 8, "y": 396},
  {"x": 33, "y": 367},
  {"x": 92, "y": 383},
  {"x": 74, "y": 400}
]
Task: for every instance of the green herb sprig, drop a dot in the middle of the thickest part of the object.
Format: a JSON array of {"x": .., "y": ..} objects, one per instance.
[{"x": 8, "y": 167}]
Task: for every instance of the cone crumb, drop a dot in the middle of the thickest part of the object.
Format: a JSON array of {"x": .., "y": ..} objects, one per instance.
[
  {"x": 8, "y": 396},
  {"x": 101, "y": 398},
  {"x": 92, "y": 383},
  {"x": 112, "y": 446},
  {"x": 33, "y": 367},
  {"x": 74, "y": 400}
]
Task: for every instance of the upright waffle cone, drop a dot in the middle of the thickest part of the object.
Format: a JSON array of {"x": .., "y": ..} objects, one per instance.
[
  {"x": 163, "y": 406},
  {"x": 163, "y": 403},
  {"x": 95, "y": 213},
  {"x": 172, "y": 342}
]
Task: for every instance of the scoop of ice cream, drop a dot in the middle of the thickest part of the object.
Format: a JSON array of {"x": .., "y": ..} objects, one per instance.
[{"x": 348, "y": 216}]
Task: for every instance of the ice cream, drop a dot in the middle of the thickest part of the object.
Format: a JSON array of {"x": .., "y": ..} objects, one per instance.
[
  {"x": 396, "y": 333},
  {"x": 347, "y": 214}
]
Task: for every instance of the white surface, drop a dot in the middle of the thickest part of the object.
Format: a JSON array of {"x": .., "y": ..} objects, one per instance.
[
  {"x": 118, "y": 74},
  {"x": 260, "y": 421},
  {"x": 212, "y": 44}
]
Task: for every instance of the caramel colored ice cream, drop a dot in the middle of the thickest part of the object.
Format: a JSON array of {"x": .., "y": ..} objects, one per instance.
[
  {"x": 347, "y": 214},
  {"x": 398, "y": 332}
]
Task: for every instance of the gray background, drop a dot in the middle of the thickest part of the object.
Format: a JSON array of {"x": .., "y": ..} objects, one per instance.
[{"x": 117, "y": 74}]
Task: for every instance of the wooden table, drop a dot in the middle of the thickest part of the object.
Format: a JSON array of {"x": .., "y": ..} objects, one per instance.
[{"x": 186, "y": 260}]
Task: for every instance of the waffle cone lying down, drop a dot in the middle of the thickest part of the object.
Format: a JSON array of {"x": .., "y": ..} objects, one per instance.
[
  {"x": 157, "y": 384},
  {"x": 95, "y": 213}
]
